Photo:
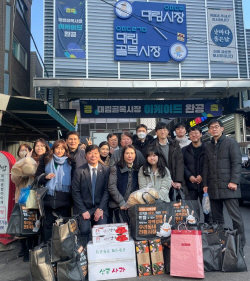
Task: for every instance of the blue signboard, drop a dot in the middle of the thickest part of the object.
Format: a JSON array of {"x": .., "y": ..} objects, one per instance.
[
  {"x": 70, "y": 29},
  {"x": 150, "y": 31},
  {"x": 150, "y": 108}
]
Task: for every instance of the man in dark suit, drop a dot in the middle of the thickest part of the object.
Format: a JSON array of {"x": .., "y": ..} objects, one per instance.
[{"x": 90, "y": 191}]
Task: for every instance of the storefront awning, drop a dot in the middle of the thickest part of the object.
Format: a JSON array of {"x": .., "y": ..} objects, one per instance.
[
  {"x": 81, "y": 88},
  {"x": 28, "y": 119}
]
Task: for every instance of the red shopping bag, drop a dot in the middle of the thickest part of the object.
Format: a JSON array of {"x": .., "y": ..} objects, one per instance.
[{"x": 186, "y": 256}]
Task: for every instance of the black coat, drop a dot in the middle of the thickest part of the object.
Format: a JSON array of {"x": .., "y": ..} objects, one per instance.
[
  {"x": 193, "y": 167},
  {"x": 82, "y": 190},
  {"x": 78, "y": 156},
  {"x": 222, "y": 165},
  {"x": 60, "y": 199},
  {"x": 142, "y": 146}
]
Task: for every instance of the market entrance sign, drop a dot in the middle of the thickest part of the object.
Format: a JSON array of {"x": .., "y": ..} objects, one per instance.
[
  {"x": 150, "y": 108},
  {"x": 150, "y": 32}
]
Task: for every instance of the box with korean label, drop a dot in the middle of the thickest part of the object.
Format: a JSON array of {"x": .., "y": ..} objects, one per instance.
[
  {"x": 109, "y": 229},
  {"x": 156, "y": 255},
  {"x": 111, "y": 251},
  {"x": 118, "y": 238},
  {"x": 112, "y": 270},
  {"x": 143, "y": 259}
]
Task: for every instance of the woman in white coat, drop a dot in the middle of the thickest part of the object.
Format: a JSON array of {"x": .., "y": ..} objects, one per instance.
[{"x": 155, "y": 173}]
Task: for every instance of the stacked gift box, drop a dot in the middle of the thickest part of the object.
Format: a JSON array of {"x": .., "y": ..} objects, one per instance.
[{"x": 111, "y": 253}]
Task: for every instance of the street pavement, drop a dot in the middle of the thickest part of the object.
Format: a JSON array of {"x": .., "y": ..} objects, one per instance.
[{"x": 13, "y": 268}]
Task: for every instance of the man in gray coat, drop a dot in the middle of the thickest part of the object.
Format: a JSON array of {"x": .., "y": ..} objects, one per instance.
[{"x": 221, "y": 177}]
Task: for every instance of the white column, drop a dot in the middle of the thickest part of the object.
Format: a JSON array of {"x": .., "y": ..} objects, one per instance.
[{"x": 237, "y": 127}]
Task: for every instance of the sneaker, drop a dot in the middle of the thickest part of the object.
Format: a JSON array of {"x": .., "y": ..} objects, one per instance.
[{"x": 26, "y": 256}]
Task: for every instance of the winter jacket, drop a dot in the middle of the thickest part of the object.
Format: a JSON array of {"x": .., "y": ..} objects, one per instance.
[
  {"x": 116, "y": 156},
  {"x": 183, "y": 141},
  {"x": 222, "y": 165},
  {"x": 122, "y": 182},
  {"x": 193, "y": 167},
  {"x": 78, "y": 158},
  {"x": 162, "y": 185},
  {"x": 175, "y": 160},
  {"x": 142, "y": 146},
  {"x": 60, "y": 199}
]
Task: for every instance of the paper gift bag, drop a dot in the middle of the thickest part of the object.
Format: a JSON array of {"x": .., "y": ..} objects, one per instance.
[
  {"x": 156, "y": 254},
  {"x": 186, "y": 256},
  {"x": 40, "y": 265},
  {"x": 143, "y": 259}
]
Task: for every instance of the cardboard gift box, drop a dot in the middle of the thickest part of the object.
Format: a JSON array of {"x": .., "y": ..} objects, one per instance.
[
  {"x": 115, "y": 238},
  {"x": 110, "y": 229},
  {"x": 143, "y": 259},
  {"x": 111, "y": 251},
  {"x": 156, "y": 255},
  {"x": 112, "y": 270},
  {"x": 111, "y": 260}
]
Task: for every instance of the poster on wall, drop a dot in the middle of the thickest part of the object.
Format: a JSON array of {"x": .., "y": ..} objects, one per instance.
[
  {"x": 150, "y": 31},
  {"x": 70, "y": 29},
  {"x": 222, "y": 41}
]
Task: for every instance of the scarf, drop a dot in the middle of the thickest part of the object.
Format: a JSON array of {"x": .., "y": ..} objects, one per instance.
[{"x": 62, "y": 179}]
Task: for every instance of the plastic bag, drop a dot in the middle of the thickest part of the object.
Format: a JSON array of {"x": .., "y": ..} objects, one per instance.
[
  {"x": 142, "y": 196},
  {"x": 206, "y": 203},
  {"x": 24, "y": 194}
]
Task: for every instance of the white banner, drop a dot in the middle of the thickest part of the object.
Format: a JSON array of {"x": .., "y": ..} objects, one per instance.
[{"x": 221, "y": 31}]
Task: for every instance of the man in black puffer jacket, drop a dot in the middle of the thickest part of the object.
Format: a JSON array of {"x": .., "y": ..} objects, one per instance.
[
  {"x": 193, "y": 156},
  {"x": 221, "y": 177},
  {"x": 141, "y": 139}
]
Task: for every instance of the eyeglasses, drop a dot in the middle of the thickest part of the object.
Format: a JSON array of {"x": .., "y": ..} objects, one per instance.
[{"x": 214, "y": 127}]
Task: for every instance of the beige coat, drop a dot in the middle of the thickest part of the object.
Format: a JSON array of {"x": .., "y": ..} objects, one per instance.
[{"x": 162, "y": 185}]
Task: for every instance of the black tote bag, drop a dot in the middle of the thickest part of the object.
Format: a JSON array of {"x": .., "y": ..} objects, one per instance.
[
  {"x": 40, "y": 265},
  {"x": 63, "y": 239},
  {"x": 146, "y": 219},
  {"x": 75, "y": 269},
  {"x": 211, "y": 245},
  {"x": 233, "y": 257},
  {"x": 23, "y": 221},
  {"x": 183, "y": 208}
]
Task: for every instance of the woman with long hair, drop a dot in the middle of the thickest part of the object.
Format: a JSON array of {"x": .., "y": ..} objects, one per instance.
[
  {"x": 104, "y": 153},
  {"x": 154, "y": 173},
  {"x": 56, "y": 166},
  {"x": 123, "y": 180}
]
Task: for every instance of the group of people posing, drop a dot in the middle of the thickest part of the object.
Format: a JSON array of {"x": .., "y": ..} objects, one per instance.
[{"x": 97, "y": 181}]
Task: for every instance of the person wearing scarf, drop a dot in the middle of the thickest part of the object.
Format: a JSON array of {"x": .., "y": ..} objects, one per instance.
[
  {"x": 57, "y": 168},
  {"x": 123, "y": 180}
]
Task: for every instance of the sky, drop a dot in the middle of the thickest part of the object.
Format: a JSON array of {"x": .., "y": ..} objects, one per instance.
[{"x": 37, "y": 22}]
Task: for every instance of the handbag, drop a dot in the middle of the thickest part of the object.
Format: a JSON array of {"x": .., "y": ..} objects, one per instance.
[
  {"x": 185, "y": 209},
  {"x": 211, "y": 245},
  {"x": 233, "y": 258},
  {"x": 186, "y": 256},
  {"x": 75, "y": 268},
  {"x": 63, "y": 238},
  {"x": 23, "y": 222},
  {"x": 147, "y": 220},
  {"x": 40, "y": 265}
]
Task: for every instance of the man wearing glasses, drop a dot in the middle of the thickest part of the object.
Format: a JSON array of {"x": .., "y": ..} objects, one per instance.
[{"x": 221, "y": 177}]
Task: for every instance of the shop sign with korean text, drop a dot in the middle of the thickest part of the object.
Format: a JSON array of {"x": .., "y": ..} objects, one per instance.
[
  {"x": 150, "y": 31},
  {"x": 222, "y": 41},
  {"x": 150, "y": 108},
  {"x": 70, "y": 29}
]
